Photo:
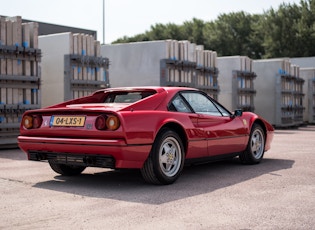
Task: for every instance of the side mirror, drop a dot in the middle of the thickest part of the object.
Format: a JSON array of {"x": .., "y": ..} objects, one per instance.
[{"x": 237, "y": 113}]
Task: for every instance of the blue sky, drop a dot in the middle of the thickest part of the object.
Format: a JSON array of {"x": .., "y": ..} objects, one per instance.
[{"x": 128, "y": 17}]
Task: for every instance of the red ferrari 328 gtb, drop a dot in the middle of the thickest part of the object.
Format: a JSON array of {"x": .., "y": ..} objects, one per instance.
[{"x": 154, "y": 129}]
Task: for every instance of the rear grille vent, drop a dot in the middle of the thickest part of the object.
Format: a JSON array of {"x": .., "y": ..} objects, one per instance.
[{"x": 87, "y": 160}]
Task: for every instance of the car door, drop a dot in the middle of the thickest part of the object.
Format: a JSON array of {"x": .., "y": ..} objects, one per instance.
[
  {"x": 198, "y": 145},
  {"x": 224, "y": 132}
]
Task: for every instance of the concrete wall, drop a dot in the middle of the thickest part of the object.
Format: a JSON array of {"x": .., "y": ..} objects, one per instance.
[
  {"x": 71, "y": 67},
  {"x": 53, "y": 47},
  {"x": 308, "y": 74},
  {"x": 279, "y": 92},
  {"x": 304, "y": 62},
  {"x": 226, "y": 66},
  {"x": 135, "y": 64},
  {"x": 265, "y": 85}
]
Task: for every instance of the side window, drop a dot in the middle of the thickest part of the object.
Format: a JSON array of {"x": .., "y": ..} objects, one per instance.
[
  {"x": 179, "y": 105},
  {"x": 222, "y": 110},
  {"x": 201, "y": 104}
]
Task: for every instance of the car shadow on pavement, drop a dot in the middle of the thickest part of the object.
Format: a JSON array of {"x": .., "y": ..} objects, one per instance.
[{"x": 128, "y": 185}]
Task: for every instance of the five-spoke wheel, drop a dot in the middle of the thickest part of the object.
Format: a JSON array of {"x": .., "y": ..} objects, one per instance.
[
  {"x": 166, "y": 159},
  {"x": 255, "y": 147}
]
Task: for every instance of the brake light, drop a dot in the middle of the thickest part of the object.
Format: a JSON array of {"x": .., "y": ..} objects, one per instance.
[
  {"x": 100, "y": 122},
  {"x": 32, "y": 122},
  {"x": 37, "y": 121},
  {"x": 104, "y": 122}
]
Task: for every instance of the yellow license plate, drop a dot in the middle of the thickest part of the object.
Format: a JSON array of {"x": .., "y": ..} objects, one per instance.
[{"x": 72, "y": 121}]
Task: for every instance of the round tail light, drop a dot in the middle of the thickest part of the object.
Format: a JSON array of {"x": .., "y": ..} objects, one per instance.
[
  {"x": 37, "y": 121},
  {"x": 100, "y": 122},
  {"x": 32, "y": 122},
  {"x": 27, "y": 122},
  {"x": 112, "y": 122}
]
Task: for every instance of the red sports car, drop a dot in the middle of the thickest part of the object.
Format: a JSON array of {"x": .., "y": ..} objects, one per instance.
[{"x": 154, "y": 129}]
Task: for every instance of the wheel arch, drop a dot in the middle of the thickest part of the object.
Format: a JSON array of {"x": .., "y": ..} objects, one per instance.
[
  {"x": 262, "y": 125},
  {"x": 179, "y": 130}
]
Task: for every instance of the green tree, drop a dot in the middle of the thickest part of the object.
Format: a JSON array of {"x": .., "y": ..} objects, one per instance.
[
  {"x": 230, "y": 34},
  {"x": 162, "y": 32},
  {"x": 306, "y": 29},
  {"x": 193, "y": 31},
  {"x": 280, "y": 31},
  {"x": 288, "y": 31}
]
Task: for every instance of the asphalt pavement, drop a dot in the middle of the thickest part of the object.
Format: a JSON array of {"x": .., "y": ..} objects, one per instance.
[{"x": 278, "y": 193}]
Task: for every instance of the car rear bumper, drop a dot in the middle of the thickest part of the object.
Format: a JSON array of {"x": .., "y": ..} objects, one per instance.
[{"x": 88, "y": 152}]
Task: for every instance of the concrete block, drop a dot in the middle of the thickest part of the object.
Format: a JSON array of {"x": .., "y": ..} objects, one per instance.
[
  {"x": 137, "y": 64},
  {"x": 77, "y": 49},
  {"x": 3, "y": 96},
  {"x": 9, "y": 96},
  {"x": 278, "y": 91},
  {"x": 92, "y": 43},
  {"x": 34, "y": 35},
  {"x": 75, "y": 44},
  {"x": 308, "y": 74},
  {"x": 9, "y": 42},
  {"x": 54, "y": 47},
  {"x": 97, "y": 52},
  {"x": 80, "y": 45},
  {"x": 26, "y": 35},
  {"x": 175, "y": 50},
  {"x": 9, "y": 33},
  {"x": 231, "y": 81},
  {"x": 26, "y": 39},
  {"x": 35, "y": 96},
  {"x": 3, "y": 38},
  {"x": 192, "y": 52},
  {"x": 267, "y": 86},
  {"x": 15, "y": 96},
  {"x": 304, "y": 62},
  {"x": 214, "y": 59},
  {"x": 16, "y": 64},
  {"x": 27, "y": 95},
  {"x": 75, "y": 94},
  {"x": 183, "y": 50},
  {"x": 97, "y": 48},
  {"x": 34, "y": 44},
  {"x": 83, "y": 52},
  {"x": 17, "y": 31},
  {"x": 2, "y": 31},
  {"x": 200, "y": 55},
  {"x": 58, "y": 70}
]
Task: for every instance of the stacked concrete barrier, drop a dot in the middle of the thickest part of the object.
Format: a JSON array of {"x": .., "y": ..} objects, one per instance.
[
  {"x": 165, "y": 63},
  {"x": 19, "y": 74},
  {"x": 279, "y": 92},
  {"x": 72, "y": 67},
  {"x": 237, "y": 82},
  {"x": 308, "y": 74}
]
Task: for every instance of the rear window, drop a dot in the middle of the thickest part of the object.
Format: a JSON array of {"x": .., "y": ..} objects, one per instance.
[{"x": 127, "y": 97}]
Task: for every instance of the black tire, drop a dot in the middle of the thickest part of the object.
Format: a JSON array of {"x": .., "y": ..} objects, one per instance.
[
  {"x": 66, "y": 170},
  {"x": 166, "y": 160},
  {"x": 256, "y": 146}
]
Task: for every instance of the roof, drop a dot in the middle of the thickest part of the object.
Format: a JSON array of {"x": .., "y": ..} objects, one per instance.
[{"x": 156, "y": 88}]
